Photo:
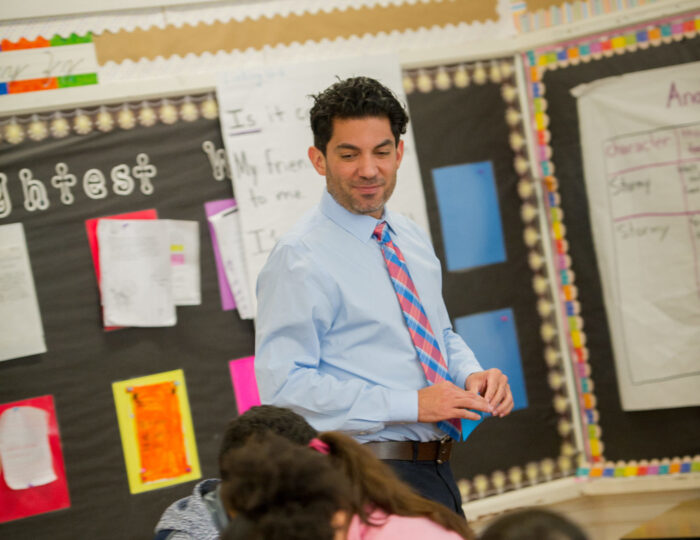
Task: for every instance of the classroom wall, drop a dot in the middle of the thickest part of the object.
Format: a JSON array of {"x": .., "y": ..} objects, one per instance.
[{"x": 174, "y": 53}]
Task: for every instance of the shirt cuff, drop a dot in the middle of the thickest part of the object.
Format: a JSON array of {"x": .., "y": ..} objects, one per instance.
[{"x": 403, "y": 406}]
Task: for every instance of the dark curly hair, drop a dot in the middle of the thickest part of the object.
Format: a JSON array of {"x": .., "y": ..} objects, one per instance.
[
  {"x": 278, "y": 490},
  {"x": 264, "y": 419},
  {"x": 356, "y": 97}
]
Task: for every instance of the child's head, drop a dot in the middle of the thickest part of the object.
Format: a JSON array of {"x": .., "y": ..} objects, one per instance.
[
  {"x": 265, "y": 419},
  {"x": 532, "y": 524},
  {"x": 276, "y": 489}
]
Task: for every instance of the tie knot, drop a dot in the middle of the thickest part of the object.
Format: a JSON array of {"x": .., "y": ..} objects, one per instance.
[{"x": 380, "y": 233}]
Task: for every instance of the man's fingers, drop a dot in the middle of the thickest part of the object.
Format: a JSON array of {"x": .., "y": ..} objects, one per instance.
[
  {"x": 466, "y": 414},
  {"x": 500, "y": 395},
  {"x": 495, "y": 380},
  {"x": 505, "y": 407}
]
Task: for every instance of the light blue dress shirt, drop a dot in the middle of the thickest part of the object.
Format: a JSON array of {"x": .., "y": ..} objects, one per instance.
[{"x": 331, "y": 341}]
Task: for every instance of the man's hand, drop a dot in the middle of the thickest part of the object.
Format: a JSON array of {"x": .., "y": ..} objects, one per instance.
[
  {"x": 445, "y": 400},
  {"x": 493, "y": 385}
]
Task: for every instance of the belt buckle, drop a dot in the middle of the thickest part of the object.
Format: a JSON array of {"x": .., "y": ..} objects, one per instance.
[{"x": 443, "y": 453}]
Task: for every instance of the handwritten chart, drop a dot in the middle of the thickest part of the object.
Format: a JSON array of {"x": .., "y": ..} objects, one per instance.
[
  {"x": 641, "y": 138},
  {"x": 265, "y": 127}
]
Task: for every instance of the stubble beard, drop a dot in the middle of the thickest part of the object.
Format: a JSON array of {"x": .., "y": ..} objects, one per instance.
[{"x": 347, "y": 201}]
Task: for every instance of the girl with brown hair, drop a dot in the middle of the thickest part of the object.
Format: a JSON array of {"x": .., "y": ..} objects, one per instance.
[{"x": 278, "y": 490}]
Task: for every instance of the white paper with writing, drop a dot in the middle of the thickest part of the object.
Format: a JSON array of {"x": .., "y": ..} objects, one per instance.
[
  {"x": 136, "y": 282},
  {"x": 265, "y": 127},
  {"x": 227, "y": 228},
  {"x": 640, "y": 135},
  {"x": 21, "y": 331},
  {"x": 183, "y": 237},
  {"x": 46, "y": 62},
  {"x": 25, "y": 454}
]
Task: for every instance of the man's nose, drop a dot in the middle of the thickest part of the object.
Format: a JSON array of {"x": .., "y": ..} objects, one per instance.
[{"x": 367, "y": 167}]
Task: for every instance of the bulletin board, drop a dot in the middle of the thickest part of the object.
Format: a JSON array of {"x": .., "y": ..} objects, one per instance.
[
  {"x": 618, "y": 442},
  {"x": 180, "y": 138}
]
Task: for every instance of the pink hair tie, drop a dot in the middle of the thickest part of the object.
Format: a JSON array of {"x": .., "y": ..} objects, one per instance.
[{"x": 320, "y": 446}]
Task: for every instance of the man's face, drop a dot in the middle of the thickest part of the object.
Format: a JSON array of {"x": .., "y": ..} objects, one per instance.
[{"x": 360, "y": 163}]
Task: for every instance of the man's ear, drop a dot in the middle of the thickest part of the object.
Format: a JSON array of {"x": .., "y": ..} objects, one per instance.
[
  {"x": 318, "y": 160},
  {"x": 399, "y": 153}
]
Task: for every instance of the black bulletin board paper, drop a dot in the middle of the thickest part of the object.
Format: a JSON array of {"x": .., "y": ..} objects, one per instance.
[
  {"x": 625, "y": 435},
  {"x": 82, "y": 359},
  {"x": 468, "y": 125}
]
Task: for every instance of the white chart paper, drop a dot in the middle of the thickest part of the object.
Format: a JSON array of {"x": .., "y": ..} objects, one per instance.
[
  {"x": 265, "y": 127},
  {"x": 640, "y": 135},
  {"x": 21, "y": 331}
]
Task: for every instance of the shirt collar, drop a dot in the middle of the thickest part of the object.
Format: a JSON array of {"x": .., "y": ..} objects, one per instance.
[{"x": 360, "y": 226}]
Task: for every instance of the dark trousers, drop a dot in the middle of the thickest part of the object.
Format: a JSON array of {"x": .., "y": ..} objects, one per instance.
[{"x": 431, "y": 480}]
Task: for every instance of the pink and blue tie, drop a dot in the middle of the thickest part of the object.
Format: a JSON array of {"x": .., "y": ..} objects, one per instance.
[{"x": 424, "y": 341}]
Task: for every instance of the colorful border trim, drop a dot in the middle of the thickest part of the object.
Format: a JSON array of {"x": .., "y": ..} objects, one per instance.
[
  {"x": 502, "y": 71},
  {"x": 537, "y": 62},
  {"x": 48, "y": 83},
  {"x": 567, "y": 12}
]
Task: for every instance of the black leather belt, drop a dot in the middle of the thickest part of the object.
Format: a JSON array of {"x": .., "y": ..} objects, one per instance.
[{"x": 438, "y": 451}]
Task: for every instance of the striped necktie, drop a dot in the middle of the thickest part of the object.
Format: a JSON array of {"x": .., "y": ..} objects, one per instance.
[{"x": 424, "y": 341}]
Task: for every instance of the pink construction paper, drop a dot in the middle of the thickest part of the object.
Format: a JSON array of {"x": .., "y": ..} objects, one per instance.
[
  {"x": 245, "y": 386},
  {"x": 211, "y": 208}
]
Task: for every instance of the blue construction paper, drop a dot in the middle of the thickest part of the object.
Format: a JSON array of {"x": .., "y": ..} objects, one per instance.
[
  {"x": 493, "y": 338},
  {"x": 469, "y": 215}
]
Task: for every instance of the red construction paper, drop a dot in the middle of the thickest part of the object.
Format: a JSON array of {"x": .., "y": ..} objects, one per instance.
[
  {"x": 91, "y": 229},
  {"x": 20, "y": 503}
]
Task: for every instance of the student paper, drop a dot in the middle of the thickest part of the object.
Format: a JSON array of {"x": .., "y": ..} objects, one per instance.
[
  {"x": 25, "y": 454},
  {"x": 135, "y": 262},
  {"x": 227, "y": 226},
  {"x": 21, "y": 331},
  {"x": 184, "y": 262},
  {"x": 156, "y": 428},
  {"x": 33, "y": 477}
]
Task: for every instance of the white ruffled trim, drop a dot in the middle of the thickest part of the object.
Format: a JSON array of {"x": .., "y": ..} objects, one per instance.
[
  {"x": 370, "y": 44},
  {"x": 193, "y": 14}
]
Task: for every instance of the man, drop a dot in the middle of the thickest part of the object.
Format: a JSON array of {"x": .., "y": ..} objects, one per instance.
[
  {"x": 353, "y": 342},
  {"x": 202, "y": 516}
]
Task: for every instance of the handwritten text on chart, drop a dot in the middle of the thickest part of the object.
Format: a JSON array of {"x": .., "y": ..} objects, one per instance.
[
  {"x": 245, "y": 121},
  {"x": 682, "y": 97},
  {"x": 47, "y": 62}
]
